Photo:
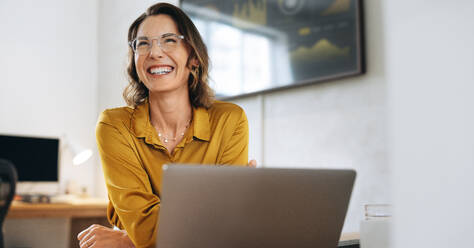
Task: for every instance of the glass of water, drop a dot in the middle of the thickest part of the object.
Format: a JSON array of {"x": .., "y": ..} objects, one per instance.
[{"x": 375, "y": 228}]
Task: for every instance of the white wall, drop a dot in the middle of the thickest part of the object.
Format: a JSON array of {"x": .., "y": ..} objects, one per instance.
[
  {"x": 430, "y": 62},
  {"x": 49, "y": 74},
  {"x": 48, "y": 64},
  {"x": 335, "y": 124}
]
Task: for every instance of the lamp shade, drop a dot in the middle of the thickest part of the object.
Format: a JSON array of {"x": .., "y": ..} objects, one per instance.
[{"x": 80, "y": 154}]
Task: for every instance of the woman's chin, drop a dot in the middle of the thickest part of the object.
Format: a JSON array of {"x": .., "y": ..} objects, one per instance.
[{"x": 163, "y": 88}]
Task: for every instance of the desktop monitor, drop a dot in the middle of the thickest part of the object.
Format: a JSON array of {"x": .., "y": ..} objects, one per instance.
[{"x": 35, "y": 159}]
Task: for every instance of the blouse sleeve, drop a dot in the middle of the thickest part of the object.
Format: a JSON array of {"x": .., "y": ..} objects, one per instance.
[
  {"x": 128, "y": 185},
  {"x": 236, "y": 147}
]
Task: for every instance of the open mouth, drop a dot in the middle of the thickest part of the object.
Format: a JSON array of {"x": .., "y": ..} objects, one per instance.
[{"x": 160, "y": 70}]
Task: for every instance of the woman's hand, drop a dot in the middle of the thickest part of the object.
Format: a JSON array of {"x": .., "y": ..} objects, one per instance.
[
  {"x": 252, "y": 163},
  {"x": 97, "y": 236}
]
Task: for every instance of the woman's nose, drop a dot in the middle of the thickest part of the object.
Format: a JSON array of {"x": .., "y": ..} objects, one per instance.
[{"x": 155, "y": 50}]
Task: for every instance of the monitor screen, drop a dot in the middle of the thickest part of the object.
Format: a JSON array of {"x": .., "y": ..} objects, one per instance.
[{"x": 35, "y": 159}]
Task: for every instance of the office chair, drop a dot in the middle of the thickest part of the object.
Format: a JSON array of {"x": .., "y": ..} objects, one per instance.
[{"x": 8, "y": 179}]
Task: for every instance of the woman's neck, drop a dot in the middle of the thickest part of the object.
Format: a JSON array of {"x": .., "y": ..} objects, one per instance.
[{"x": 170, "y": 112}]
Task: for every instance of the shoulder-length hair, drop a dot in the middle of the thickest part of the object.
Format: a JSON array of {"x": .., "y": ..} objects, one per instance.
[{"x": 200, "y": 94}]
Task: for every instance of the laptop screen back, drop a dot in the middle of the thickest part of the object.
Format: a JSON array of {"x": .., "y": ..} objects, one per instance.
[{"x": 208, "y": 206}]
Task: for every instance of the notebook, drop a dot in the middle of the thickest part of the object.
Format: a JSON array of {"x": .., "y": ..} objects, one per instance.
[{"x": 241, "y": 207}]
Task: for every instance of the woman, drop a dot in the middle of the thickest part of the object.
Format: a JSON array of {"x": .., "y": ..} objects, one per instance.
[{"x": 172, "y": 118}]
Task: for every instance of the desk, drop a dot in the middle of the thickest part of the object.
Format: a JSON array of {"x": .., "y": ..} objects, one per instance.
[
  {"x": 349, "y": 240},
  {"x": 54, "y": 210},
  {"x": 71, "y": 217},
  {"x": 82, "y": 214}
]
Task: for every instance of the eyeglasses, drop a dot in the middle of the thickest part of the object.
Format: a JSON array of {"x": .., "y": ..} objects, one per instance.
[{"x": 167, "y": 43}]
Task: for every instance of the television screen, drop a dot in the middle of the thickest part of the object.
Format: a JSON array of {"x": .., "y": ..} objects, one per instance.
[
  {"x": 263, "y": 45},
  {"x": 35, "y": 159}
]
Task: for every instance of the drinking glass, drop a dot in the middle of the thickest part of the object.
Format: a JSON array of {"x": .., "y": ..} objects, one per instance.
[{"x": 375, "y": 228}]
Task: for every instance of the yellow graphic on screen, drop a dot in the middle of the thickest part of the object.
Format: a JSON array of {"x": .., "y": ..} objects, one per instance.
[
  {"x": 304, "y": 31},
  {"x": 338, "y": 6},
  {"x": 254, "y": 11},
  {"x": 321, "y": 50}
]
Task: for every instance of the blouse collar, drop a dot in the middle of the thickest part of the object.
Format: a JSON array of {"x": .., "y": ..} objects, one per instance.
[{"x": 142, "y": 127}]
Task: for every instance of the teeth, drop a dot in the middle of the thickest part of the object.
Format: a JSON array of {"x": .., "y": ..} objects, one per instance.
[{"x": 160, "y": 70}]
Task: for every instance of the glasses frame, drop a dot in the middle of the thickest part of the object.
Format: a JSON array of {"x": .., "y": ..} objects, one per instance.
[{"x": 158, "y": 40}]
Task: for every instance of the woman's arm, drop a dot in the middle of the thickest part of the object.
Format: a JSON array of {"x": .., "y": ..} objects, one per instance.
[
  {"x": 236, "y": 146},
  {"x": 135, "y": 206}
]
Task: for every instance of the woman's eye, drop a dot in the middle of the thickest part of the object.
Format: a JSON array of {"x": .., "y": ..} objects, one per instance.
[
  {"x": 170, "y": 40},
  {"x": 143, "y": 44}
]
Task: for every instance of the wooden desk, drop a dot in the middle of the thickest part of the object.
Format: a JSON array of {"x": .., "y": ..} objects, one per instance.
[
  {"x": 85, "y": 213},
  {"x": 81, "y": 213},
  {"x": 55, "y": 210},
  {"x": 349, "y": 240}
]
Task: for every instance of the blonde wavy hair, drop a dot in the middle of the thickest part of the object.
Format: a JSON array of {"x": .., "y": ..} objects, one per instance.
[{"x": 200, "y": 94}]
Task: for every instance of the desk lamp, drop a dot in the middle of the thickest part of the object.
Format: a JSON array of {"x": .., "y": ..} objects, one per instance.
[{"x": 80, "y": 154}]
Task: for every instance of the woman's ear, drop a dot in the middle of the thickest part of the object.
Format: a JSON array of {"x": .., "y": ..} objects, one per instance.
[{"x": 193, "y": 63}]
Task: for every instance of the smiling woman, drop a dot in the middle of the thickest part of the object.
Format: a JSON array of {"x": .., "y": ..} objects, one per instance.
[
  {"x": 162, "y": 70},
  {"x": 182, "y": 29},
  {"x": 171, "y": 118}
]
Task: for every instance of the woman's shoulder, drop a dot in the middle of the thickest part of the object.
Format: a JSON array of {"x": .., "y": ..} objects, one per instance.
[
  {"x": 225, "y": 107},
  {"x": 116, "y": 115},
  {"x": 221, "y": 109}
]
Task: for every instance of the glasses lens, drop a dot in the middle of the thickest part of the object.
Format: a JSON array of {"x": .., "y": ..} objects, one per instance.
[
  {"x": 169, "y": 43},
  {"x": 142, "y": 46}
]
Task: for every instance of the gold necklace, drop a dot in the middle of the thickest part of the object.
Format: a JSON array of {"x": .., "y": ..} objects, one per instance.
[{"x": 166, "y": 139}]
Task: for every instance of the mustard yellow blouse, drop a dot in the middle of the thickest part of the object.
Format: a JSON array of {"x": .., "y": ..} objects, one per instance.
[{"x": 132, "y": 156}]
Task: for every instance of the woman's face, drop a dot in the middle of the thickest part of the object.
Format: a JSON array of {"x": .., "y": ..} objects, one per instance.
[{"x": 162, "y": 71}]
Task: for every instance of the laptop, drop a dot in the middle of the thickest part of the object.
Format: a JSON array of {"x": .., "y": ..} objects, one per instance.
[{"x": 241, "y": 207}]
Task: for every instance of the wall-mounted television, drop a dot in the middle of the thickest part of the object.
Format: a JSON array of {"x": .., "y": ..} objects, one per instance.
[
  {"x": 262, "y": 45},
  {"x": 35, "y": 159}
]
